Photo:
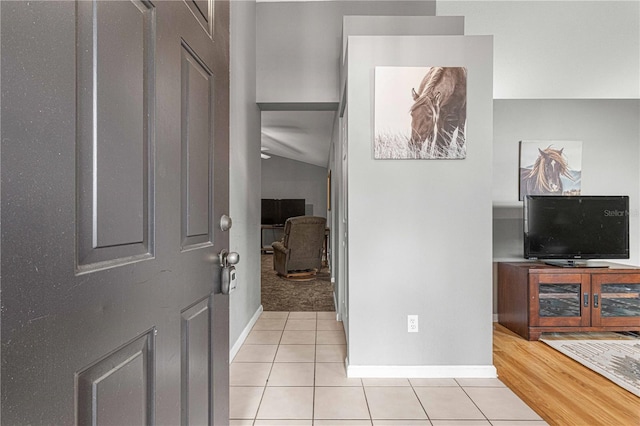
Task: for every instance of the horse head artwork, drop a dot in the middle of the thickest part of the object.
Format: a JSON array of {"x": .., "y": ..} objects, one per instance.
[
  {"x": 439, "y": 109},
  {"x": 544, "y": 177}
]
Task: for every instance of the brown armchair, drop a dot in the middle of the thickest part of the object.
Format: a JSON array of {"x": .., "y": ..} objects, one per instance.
[{"x": 300, "y": 250}]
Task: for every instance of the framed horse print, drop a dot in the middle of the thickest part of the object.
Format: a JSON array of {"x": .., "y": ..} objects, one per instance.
[
  {"x": 550, "y": 168},
  {"x": 420, "y": 113}
]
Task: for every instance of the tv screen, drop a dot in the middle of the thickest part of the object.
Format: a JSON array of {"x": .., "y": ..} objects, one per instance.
[
  {"x": 277, "y": 211},
  {"x": 269, "y": 212},
  {"x": 576, "y": 227}
]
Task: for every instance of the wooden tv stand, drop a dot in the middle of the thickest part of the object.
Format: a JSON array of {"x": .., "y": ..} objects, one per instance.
[{"x": 534, "y": 298}]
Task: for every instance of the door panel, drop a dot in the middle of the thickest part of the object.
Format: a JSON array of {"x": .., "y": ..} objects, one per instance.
[
  {"x": 196, "y": 148},
  {"x": 196, "y": 344},
  {"x": 116, "y": 98},
  {"x": 99, "y": 396},
  {"x": 120, "y": 73},
  {"x": 106, "y": 318},
  {"x": 203, "y": 11}
]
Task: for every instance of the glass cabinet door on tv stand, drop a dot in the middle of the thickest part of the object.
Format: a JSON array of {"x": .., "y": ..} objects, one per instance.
[
  {"x": 616, "y": 299},
  {"x": 560, "y": 300},
  {"x": 534, "y": 298}
]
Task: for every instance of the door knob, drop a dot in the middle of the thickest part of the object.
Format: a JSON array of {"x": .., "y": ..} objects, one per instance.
[
  {"x": 225, "y": 222},
  {"x": 228, "y": 258},
  {"x": 233, "y": 258}
]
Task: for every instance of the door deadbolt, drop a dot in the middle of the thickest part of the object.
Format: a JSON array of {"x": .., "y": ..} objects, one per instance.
[{"x": 228, "y": 271}]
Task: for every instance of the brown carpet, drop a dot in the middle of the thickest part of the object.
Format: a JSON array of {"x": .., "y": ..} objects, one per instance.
[{"x": 279, "y": 294}]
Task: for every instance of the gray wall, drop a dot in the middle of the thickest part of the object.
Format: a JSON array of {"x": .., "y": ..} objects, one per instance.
[
  {"x": 543, "y": 49},
  {"x": 400, "y": 25},
  {"x": 366, "y": 26},
  {"x": 610, "y": 135},
  {"x": 299, "y": 45},
  {"x": 609, "y": 131},
  {"x": 419, "y": 231},
  {"x": 244, "y": 171},
  {"x": 562, "y": 70},
  {"x": 284, "y": 178},
  {"x": 558, "y": 49}
]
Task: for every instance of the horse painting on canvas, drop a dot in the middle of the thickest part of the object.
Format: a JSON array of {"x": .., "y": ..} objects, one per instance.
[
  {"x": 544, "y": 178},
  {"x": 439, "y": 113}
]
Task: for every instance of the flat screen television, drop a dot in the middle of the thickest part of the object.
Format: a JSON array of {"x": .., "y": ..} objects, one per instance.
[
  {"x": 277, "y": 211},
  {"x": 570, "y": 228}
]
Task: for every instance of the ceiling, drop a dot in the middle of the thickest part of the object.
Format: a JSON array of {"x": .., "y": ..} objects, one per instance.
[{"x": 298, "y": 135}]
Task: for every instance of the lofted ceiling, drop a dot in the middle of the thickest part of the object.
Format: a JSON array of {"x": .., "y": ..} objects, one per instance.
[{"x": 298, "y": 135}]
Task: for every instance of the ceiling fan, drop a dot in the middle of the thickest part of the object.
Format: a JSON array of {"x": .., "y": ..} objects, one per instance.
[{"x": 262, "y": 154}]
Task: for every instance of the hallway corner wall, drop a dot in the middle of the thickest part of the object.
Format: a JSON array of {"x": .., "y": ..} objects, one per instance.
[{"x": 245, "y": 168}]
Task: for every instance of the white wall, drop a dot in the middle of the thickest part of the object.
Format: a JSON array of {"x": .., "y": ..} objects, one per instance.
[
  {"x": 558, "y": 49},
  {"x": 420, "y": 230},
  {"x": 285, "y": 178},
  {"x": 244, "y": 179}
]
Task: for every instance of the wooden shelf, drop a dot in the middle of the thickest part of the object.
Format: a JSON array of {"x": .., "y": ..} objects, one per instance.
[{"x": 520, "y": 296}]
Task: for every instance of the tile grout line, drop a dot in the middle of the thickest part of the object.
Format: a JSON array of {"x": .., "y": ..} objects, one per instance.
[
  {"x": 362, "y": 384},
  {"x": 366, "y": 400},
  {"x": 264, "y": 388},
  {"x": 474, "y": 403},
  {"x": 420, "y": 402},
  {"x": 313, "y": 398}
]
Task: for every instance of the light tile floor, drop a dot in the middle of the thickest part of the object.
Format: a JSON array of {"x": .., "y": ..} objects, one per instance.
[{"x": 290, "y": 372}]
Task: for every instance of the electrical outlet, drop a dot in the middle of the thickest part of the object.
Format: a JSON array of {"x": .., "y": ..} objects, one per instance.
[{"x": 412, "y": 323}]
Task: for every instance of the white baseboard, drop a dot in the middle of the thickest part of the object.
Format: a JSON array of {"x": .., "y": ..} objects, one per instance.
[
  {"x": 243, "y": 336},
  {"x": 423, "y": 371},
  {"x": 495, "y": 317}
]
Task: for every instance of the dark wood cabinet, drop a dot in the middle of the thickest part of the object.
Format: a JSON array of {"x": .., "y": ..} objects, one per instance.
[{"x": 534, "y": 298}]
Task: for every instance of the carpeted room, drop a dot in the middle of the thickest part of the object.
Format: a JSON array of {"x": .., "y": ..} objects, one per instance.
[{"x": 294, "y": 295}]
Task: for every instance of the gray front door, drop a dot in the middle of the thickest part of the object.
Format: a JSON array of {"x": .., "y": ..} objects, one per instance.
[{"x": 114, "y": 126}]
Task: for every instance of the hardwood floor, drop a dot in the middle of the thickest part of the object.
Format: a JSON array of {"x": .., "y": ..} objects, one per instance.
[{"x": 560, "y": 390}]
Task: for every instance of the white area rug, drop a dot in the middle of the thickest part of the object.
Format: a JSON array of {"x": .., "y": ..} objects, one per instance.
[{"x": 617, "y": 360}]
